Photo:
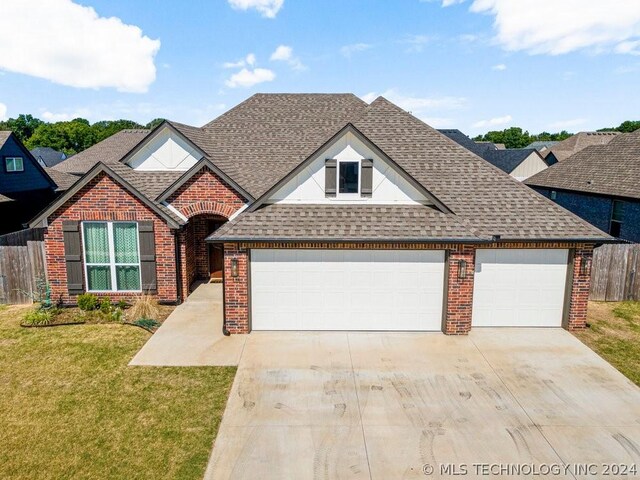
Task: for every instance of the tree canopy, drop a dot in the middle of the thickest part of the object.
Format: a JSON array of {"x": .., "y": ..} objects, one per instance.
[
  {"x": 69, "y": 137},
  {"x": 515, "y": 137}
]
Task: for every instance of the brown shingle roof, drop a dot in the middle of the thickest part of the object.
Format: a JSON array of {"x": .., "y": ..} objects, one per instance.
[
  {"x": 564, "y": 149},
  {"x": 611, "y": 169},
  {"x": 108, "y": 151},
  {"x": 62, "y": 180},
  {"x": 344, "y": 222}
]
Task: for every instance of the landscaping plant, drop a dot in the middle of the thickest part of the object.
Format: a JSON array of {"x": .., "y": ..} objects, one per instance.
[
  {"x": 87, "y": 302},
  {"x": 145, "y": 307}
]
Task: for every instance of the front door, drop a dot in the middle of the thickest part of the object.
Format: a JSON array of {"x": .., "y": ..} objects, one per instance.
[{"x": 216, "y": 258}]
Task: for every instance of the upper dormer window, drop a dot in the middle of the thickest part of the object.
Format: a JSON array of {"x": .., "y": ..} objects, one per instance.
[
  {"x": 14, "y": 164},
  {"x": 349, "y": 177}
]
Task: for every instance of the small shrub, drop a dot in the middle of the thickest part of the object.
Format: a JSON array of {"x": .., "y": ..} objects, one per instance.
[
  {"x": 105, "y": 305},
  {"x": 116, "y": 314},
  {"x": 121, "y": 304},
  {"x": 87, "y": 302},
  {"x": 145, "y": 307},
  {"x": 147, "y": 323},
  {"x": 40, "y": 316}
]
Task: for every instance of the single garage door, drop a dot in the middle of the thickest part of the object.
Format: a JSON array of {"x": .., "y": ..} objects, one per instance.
[
  {"x": 519, "y": 287},
  {"x": 346, "y": 289}
]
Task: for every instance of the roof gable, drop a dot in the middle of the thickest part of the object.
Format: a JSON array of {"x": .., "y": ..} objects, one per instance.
[
  {"x": 99, "y": 168},
  {"x": 33, "y": 176},
  {"x": 404, "y": 183},
  {"x": 164, "y": 149}
]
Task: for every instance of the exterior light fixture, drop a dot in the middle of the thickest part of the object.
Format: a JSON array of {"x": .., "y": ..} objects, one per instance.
[
  {"x": 234, "y": 267},
  {"x": 462, "y": 269},
  {"x": 585, "y": 265}
]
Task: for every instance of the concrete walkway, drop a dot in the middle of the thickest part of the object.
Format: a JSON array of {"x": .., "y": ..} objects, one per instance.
[
  {"x": 396, "y": 405},
  {"x": 192, "y": 335}
]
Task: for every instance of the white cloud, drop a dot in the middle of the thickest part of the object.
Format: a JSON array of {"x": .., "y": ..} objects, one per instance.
[
  {"x": 249, "y": 78},
  {"x": 415, "y": 104},
  {"x": 563, "y": 124},
  {"x": 65, "y": 116},
  {"x": 500, "y": 67},
  {"x": 70, "y": 44},
  {"x": 284, "y": 53},
  {"x": 268, "y": 8},
  {"x": 567, "y": 25},
  {"x": 3, "y": 112},
  {"x": 493, "y": 122},
  {"x": 425, "y": 108},
  {"x": 248, "y": 60},
  {"x": 349, "y": 50},
  {"x": 416, "y": 43}
]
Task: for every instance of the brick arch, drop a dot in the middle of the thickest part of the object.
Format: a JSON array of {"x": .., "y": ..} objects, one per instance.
[{"x": 214, "y": 208}]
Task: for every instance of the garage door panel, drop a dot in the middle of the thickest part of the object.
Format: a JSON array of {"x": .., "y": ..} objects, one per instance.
[
  {"x": 519, "y": 287},
  {"x": 347, "y": 289}
]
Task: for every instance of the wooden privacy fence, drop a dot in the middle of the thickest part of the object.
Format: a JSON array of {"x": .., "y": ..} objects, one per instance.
[
  {"x": 614, "y": 273},
  {"x": 22, "y": 265}
]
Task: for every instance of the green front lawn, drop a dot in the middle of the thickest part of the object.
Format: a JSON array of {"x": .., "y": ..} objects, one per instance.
[
  {"x": 70, "y": 407},
  {"x": 614, "y": 333}
]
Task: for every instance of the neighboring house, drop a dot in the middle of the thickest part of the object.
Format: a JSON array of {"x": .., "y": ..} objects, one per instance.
[
  {"x": 47, "y": 156},
  {"x": 318, "y": 212},
  {"x": 520, "y": 163},
  {"x": 542, "y": 146},
  {"x": 575, "y": 143},
  {"x": 599, "y": 184},
  {"x": 25, "y": 186}
]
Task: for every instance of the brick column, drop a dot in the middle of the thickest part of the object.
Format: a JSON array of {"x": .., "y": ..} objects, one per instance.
[
  {"x": 581, "y": 282},
  {"x": 236, "y": 289},
  {"x": 459, "y": 291}
]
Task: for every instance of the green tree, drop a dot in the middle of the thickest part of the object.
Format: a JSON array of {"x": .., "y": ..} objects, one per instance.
[
  {"x": 154, "y": 123},
  {"x": 70, "y": 137},
  {"x": 106, "y": 128},
  {"x": 23, "y": 126}
]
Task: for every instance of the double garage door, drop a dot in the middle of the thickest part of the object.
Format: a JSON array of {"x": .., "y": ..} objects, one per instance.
[{"x": 401, "y": 290}]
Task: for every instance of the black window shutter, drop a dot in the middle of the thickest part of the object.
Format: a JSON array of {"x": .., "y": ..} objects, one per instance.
[
  {"x": 147, "y": 257},
  {"x": 73, "y": 256},
  {"x": 330, "y": 177},
  {"x": 366, "y": 181}
]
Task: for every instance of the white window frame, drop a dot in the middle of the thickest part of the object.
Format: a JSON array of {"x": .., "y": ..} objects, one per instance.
[
  {"x": 15, "y": 159},
  {"x": 349, "y": 195},
  {"x": 112, "y": 258}
]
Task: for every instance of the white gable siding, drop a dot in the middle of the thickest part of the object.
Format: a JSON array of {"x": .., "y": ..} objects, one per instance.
[
  {"x": 165, "y": 151},
  {"x": 530, "y": 166},
  {"x": 388, "y": 186}
]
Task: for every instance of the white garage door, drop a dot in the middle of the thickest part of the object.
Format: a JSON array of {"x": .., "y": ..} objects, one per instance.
[
  {"x": 519, "y": 287},
  {"x": 346, "y": 289}
]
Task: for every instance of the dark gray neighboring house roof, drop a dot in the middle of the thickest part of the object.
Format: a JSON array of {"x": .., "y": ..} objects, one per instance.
[
  {"x": 286, "y": 222},
  {"x": 108, "y": 151},
  {"x": 4, "y": 136},
  {"x": 506, "y": 159},
  {"x": 48, "y": 156},
  {"x": 611, "y": 169},
  {"x": 581, "y": 140}
]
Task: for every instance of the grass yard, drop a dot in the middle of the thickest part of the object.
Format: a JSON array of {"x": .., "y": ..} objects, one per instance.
[
  {"x": 614, "y": 333},
  {"x": 71, "y": 408}
]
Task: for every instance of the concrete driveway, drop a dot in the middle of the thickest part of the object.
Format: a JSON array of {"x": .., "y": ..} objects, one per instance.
[{"x": 384, "y": 405}]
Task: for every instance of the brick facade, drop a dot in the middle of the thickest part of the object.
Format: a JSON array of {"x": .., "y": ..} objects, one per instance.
[
  {"x": 458, "y": 307},
  {"x": 104, "y": 199},
  {"x": 576, "y": 316},
  {"x": 236, "y": 289}
]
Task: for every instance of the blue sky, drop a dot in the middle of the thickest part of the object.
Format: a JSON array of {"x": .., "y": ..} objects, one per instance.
[{"x": 475, "y": 65}]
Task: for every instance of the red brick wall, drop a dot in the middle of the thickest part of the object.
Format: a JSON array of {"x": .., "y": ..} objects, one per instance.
[
  {"x": 205, "y": 192},
  {"x": 459, "y": 297},
  {"x": 236, "y": 289},
  {"x": 104, "y": 199},
  {"x": 459, "y": 301},
  {"x": 577, "y": 315}
]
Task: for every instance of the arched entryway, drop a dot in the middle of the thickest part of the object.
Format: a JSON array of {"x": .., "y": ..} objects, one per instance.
[{"x": 200, "y": 260}]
